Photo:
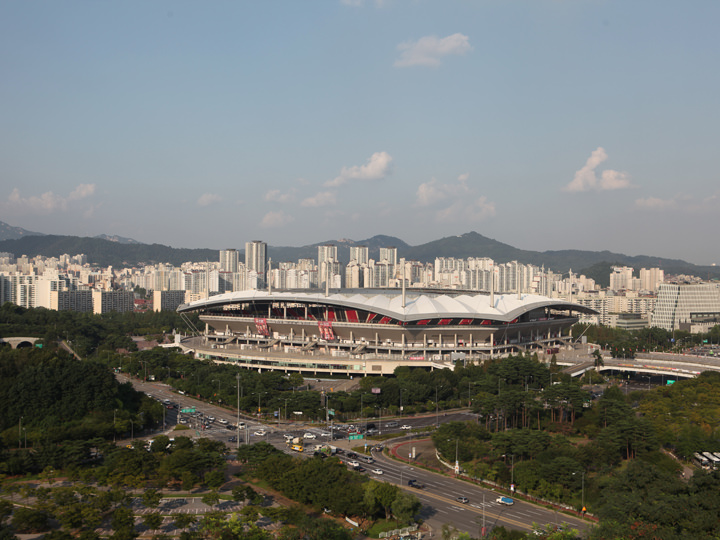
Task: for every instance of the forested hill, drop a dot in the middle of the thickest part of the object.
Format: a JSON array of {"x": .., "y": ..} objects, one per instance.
[
  {"x": 104, "y": 252},
  {"x": 595, "y": 264}
]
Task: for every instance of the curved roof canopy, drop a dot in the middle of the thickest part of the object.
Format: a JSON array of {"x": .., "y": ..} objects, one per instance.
[{"x": 389, "y": 302}]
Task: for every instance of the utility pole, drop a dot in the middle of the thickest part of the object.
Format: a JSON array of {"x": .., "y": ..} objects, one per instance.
[{"x": 237, "y": 421}]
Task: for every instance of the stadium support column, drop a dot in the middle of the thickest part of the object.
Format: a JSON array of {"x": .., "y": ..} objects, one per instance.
[{"x": 492, "y": 343}]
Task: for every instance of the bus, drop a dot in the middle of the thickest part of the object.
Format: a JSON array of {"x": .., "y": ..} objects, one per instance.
[
  {"x": 713, "y": 459},
  {"x": 701, "y": 461}
]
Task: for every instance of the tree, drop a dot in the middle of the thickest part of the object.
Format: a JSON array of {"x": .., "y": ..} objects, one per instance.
[
  {"x": 151, "y": 498},
  {"x": 122, "y": 522},
  {"x": 183, "y": 521},
  {"x": 211, "y": 498},
  {"x": 405, "y": 506},
  {"x": 153, "y": 520},
  {"x": 598, "y": 361},
  {"x": 27, "y": 520}
]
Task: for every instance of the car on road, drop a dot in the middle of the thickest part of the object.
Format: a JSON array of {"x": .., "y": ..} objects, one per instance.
[
  {"x": 377, "y": 471},
  {"x": 391, "y": 424},
  {"x": 505, "y": 500},
  {"x": 354, "y": 463},
  {"x": 463, "y": 500},
  {"x": 414, "y": 483},
  {"x": 405, "y": 426},
  {"x": 288, "y": 437},
  {"x": 360, "y": 468},
  {"x": 232, "y": 439},
  {"x": 223, "y": 421},
  {"x": 260, "y": 433},
  {"x": 309, "y": 435}
]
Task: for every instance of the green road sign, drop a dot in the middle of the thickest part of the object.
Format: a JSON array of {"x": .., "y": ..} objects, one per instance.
[
  {"x": 188, "y": 410},
  {"x": 353, "y": 437}
]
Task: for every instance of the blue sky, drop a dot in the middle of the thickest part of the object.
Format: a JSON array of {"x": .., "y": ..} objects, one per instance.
[{"x": 545, "y": 124}]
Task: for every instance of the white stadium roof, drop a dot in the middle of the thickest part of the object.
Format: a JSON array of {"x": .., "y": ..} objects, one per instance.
[{"x": 389, "y": 302}]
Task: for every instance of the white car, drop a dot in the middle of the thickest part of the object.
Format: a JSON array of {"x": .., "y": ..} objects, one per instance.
[
  {"x": 261, "y": 433},
  {"x": 377, "y": 471},
  {"x": 354, "y": 463},
  {"x": 223, "y": 421},
  {"x": 309, "y": 436},
  {"x": 405, "y": 426}
]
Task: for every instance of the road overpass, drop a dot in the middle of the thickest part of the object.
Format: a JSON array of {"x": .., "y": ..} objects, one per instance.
[{"x": 675, "y": 365}]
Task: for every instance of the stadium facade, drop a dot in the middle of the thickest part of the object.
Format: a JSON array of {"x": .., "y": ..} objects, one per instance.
[{"x": 371, "y": 332}]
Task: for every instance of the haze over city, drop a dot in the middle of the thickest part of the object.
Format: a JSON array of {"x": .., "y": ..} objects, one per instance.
[{"x": 546, "y": 125}]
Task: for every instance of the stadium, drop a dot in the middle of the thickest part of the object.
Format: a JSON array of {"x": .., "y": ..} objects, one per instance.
[{"x": 372, "y": 332}]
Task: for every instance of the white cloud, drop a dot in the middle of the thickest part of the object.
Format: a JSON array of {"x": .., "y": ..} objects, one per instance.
[
  {"x": 377, "y": 167},
  {"x": 275, "y": 195},
  {"x": 432, "y": 192},
  {"x": 586, "y": 179},
  {"x": 654, "y": 203},
  {"x": 48, "y": 202},
  {"x": 276, "y": 219},
  {"x": 429, "y": 193},
  {"x": 460, "y": 202},
  {"x": 206, "y": 199},
  {"x": 324, "y": 198},
  {"x": 428, "y": 50},
  {"x": 462, "y": 211}
]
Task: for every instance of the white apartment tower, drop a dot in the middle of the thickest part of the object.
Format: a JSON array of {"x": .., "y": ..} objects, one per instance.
[
  {"x": 229, "y": 260},
  {"x": 359, "y": 254},
  {"x": 256, "y": 262},
  {"x": 651, "y": 278},
  {"x": 621, "y": 278}
]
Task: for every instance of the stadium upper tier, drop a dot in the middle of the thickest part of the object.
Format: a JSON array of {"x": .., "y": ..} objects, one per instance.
[{"x": 414, "y": 306}]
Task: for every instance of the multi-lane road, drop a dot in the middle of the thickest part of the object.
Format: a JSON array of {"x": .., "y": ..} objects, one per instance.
[{"x": 442, "y": 496}]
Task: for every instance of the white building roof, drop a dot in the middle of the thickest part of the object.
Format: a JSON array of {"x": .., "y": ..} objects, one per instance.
[{"x": 389, "y": 302}]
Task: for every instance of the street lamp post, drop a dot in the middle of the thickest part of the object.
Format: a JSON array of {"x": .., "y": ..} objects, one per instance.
[
  {"x": 582, "y": 483},
  {"x": 512, "y": 471},
  {"x": 20, "y": 432},
  {"x": 237, "y": 420},
  {"x": 437, "y": 408},
  {"x": 25, "y": 433}
]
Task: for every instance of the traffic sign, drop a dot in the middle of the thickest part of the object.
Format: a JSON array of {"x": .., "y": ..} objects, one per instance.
[
  {"x": 188, "y": 410},
  {"x": 356, "y": 436}
]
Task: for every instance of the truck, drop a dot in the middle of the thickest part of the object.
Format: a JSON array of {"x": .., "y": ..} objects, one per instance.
[{"x": 505, "y": 500}]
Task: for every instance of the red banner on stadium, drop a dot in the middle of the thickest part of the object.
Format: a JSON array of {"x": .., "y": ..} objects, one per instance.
[
  {"x": 326, "y": 331},
  {"x": 262, "y": 327}
]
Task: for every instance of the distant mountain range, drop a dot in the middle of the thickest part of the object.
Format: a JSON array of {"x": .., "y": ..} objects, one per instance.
[{"x": 117, "y": 251}]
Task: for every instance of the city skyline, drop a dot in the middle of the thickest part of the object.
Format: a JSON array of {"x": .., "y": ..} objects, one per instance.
[{"x": 546, "y": 126}]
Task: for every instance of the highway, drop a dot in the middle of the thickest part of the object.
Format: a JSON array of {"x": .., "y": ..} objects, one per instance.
[{"x": 439, "y": 495}]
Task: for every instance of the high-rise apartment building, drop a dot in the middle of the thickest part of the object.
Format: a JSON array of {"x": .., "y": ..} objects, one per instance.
[
  {"x": 229, "y": 260},
  {"x": 621, "y": 278},
  {"x": 359, "y": 254},
  {"x": 651, "y": 278},
  {"x": 256, "y": 263}
]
